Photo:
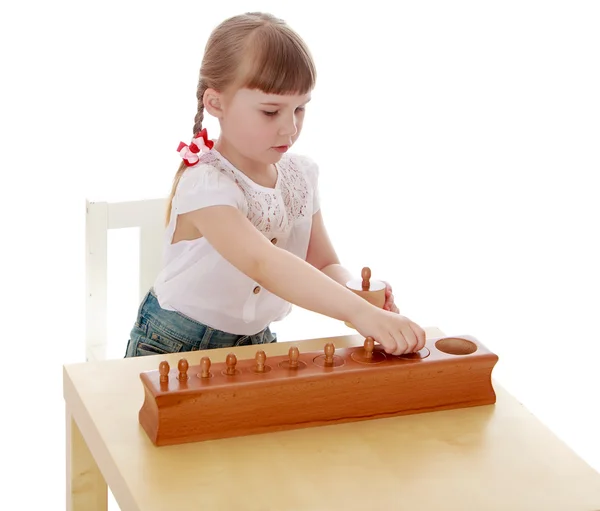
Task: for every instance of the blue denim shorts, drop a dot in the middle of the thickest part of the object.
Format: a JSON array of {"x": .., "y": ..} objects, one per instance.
[{"x": 160, "y": 331}]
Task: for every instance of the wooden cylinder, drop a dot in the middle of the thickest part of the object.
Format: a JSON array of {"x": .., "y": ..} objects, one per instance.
[{"x": 371, "y": 290}]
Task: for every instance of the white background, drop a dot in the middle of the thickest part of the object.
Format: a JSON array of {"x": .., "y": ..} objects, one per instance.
[{"x": 458, "y": 144}]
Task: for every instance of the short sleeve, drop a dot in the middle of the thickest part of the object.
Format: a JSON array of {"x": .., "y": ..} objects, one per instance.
[
  {"x": 311, "y": 172},
  {"x": 203, "y": 186}
]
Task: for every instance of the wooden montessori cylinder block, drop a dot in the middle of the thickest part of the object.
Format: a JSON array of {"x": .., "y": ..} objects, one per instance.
[
  {"x": 371, "y": 290},
  {"x": 308, "y": 389}
]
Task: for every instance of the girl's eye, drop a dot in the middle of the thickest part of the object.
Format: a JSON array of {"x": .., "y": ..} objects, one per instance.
[{"x": 274, "y": 113}]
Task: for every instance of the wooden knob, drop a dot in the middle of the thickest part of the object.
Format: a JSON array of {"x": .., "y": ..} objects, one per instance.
[
  {"x": 366, "y": 277},
  {"x": 329, "y": 351},
  {"x": 163, "y": 369},
  {"x": 260, "y": 358},
  {"x": 230, "y": 361},
  {"x": 369, "y": 346},
  {"x": 294, "y": 354},
  {"x": 183, "y": 368},
  {"x": 205, "y": 367}
]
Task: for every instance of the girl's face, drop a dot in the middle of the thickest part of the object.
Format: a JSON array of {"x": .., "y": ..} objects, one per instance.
[{"x": 262, "y": 127}]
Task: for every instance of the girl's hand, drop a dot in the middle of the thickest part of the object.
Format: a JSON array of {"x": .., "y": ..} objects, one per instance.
[
  {"x": 389, "y": 299},
  {"x": 397, "y": 334}
]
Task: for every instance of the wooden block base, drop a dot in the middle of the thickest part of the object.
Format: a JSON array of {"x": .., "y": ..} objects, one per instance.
[{"x": 352, "y": 384}]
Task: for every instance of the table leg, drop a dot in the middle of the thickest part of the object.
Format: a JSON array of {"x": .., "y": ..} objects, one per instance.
[{"x": 86, "y": 487}]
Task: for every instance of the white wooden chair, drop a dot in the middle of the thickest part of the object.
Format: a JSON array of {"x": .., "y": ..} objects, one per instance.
[{"x": 148, "y": 216}]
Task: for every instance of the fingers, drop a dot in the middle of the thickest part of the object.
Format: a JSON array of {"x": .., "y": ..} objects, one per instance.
[
  {"x": 390, "y": 305},
  {"x": 389, "y": 343},
  {"x": 403, "y": 339},
  {"x": 395, "y": 333},
  {"x": 389, "y": 299},
  {"x": 388, "y": 289},
  {"x": 409, "y": 338},
  {"x": 420, "y": 335},
  {"x": 390, "y": 340},
  {"x": 398, "y": 345}
]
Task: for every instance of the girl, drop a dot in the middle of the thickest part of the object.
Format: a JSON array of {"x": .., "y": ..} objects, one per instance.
[{"x": 245, "y": 236}]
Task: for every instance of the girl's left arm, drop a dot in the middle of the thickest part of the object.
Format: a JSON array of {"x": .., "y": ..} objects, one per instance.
[
  {"x": 322, "y": 256},
  {"x": 321, "y": 253}
]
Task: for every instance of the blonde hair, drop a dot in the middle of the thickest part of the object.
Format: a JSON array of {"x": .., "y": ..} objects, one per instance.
[{"x": 255, "y": 51}]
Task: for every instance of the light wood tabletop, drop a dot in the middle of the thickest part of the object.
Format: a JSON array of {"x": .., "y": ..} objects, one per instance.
[{"x": 493, "y": 457}]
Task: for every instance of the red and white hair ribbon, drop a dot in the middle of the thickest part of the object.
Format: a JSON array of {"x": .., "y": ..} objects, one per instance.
[{"x": 189, "y": 153}]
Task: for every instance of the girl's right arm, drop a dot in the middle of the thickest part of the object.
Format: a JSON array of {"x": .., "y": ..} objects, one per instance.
[{"x": 298, "y": 282}]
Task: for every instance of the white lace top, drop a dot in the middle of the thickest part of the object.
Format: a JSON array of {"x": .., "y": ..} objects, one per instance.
[{"x": 196, "y": 280}]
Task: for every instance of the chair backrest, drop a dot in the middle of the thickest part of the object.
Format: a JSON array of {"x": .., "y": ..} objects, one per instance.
[{"x": 148, "y": 216}]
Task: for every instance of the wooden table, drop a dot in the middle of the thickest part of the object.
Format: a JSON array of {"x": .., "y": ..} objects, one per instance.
[{"x": 497, "y": 457}]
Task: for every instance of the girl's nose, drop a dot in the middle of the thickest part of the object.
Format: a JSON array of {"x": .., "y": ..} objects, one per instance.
[{"x": 288, "y": 127}]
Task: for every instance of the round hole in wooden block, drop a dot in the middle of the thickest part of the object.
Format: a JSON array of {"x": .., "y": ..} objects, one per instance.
[
  {"x": 285, "y": 364},
  {"x": 456, "y": 346},
  {"x": 320, "y": 361},
  {"x": 360, "y": 357},
  {"x": 418, "y": 355},
  {"x": 266, "y": 369},
  {"x": 235, "y": 373}
]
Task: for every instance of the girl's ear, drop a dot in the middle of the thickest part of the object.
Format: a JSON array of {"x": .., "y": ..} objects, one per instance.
[{"x": 213, "y": 103}]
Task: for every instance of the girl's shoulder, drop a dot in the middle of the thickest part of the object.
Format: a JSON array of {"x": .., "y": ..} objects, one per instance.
[
  {"x": 206, "y": 184},
  {"x": 205, "y": 175}
]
